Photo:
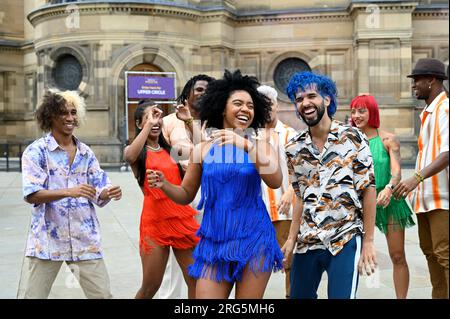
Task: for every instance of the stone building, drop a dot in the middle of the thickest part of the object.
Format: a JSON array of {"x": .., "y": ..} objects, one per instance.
[{"x": 365, "y": 46}]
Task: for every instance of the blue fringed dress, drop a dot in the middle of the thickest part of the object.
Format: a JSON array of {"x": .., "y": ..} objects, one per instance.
[{"x": 236, "y": 229}]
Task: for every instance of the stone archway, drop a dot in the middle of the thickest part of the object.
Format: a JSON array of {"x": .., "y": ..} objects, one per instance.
[
  {"x": 138, "y": 58},
  {"x": 146, "y": 67}
]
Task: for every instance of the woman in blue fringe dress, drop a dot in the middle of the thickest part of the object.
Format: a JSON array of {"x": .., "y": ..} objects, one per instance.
[{"x": 238, "y": 244}]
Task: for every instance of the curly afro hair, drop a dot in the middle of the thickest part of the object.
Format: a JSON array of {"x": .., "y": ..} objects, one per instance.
[
  {"x": 53, "y": 104},
  {"x": 214, "y": 101},
  {"x": 321, "y": 83}
]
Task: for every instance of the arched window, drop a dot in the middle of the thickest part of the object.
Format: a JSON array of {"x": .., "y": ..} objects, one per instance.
[
  {"x": 286, "y": 69},
  {"x": 68, "y": 73}
]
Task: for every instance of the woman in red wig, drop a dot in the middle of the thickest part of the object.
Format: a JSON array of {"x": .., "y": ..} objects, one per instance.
[{"x": 393, "y": 216}]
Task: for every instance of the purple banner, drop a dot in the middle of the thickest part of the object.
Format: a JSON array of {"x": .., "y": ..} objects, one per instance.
[{"x": 151, "y": 87}]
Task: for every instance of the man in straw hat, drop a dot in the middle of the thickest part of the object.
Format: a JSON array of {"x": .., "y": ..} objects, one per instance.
[{"x": 430, "y": 181}]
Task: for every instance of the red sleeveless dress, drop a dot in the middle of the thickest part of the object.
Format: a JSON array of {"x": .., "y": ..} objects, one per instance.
[{"x": 164, "y": 222}]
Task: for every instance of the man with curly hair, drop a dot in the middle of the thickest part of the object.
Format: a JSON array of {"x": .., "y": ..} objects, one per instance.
[
  {"x": 62, "y": 179},
  {"x": 331, "y": 171}
]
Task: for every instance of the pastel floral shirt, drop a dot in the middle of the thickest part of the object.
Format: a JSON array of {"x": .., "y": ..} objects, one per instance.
[
  {"x": 331, "y": 185},
  {"x": 66, "y": 229}
]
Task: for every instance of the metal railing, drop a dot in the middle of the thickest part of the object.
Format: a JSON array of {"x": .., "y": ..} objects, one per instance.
[{"x": 11, "y": 156}]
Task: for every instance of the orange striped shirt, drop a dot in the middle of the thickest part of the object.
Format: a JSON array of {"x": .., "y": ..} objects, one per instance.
[
  {"x": 432, "y": 193},
  {"x": 279, "y": 137}
]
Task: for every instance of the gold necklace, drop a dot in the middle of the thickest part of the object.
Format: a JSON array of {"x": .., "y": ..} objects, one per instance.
[{"x": 154, "y": 149}]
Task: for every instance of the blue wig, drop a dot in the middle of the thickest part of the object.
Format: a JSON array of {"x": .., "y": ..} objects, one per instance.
[{"x": 321, "y": 83}]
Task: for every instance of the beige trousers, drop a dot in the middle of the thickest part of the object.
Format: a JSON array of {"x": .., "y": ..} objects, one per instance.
[
  {"x": 91, "y": 275},
  {"x": 433, "y": 238}
]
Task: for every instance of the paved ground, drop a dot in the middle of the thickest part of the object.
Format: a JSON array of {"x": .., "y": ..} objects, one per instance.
[{"x": 120, "y": 230}]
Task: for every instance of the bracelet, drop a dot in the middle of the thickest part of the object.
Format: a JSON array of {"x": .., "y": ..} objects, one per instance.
[
  {"x": 189, "y": 121},
  {"x": 418, "y": 177}
]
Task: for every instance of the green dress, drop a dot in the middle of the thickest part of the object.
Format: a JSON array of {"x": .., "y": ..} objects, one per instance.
[{"x": 397, "y": 213}]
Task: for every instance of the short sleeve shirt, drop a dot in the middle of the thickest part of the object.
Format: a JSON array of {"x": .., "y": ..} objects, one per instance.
[
  {"x": 433, "y": 192},
  {"x": 65, "y": 229},
  {"x": 330, "y": 184}
]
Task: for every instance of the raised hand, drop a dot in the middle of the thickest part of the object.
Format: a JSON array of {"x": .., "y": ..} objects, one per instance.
[
  {"x": 152, "y": 116},
  {"x": 155, "y": 178},
  {"x": 223, "y": 137},
  {"x": 82, "y": 190},
  {"x": 182, "y": 112}
]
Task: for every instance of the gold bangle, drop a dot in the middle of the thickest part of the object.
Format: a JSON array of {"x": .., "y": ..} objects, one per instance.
[
  {"x": 418, "y": 177},
  {"x": 189, "y": 121}
]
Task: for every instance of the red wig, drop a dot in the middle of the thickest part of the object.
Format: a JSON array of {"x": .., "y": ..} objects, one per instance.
[{"x": 368, "y": 102}]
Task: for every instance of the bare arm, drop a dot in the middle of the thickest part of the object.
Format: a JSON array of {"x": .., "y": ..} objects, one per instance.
[
  {"x": 369, "y": 209},
  {"x": 286, "y": 200},
  {"x": 368, "y": 260},
  {"x": 260, "y": 152},
  {"x": 195, "y": 127},
  {"x": 296, "y": 219},
  {"x": 289, "y": 245},
  {"x": 393, "y": 147},
  {"x": 47, "y": 196},
  {"x": 404, "y": 187},
  {"x": 184, "y": 193},
  {"x": 132, "y": 151},
  {"x": 266, "y": 162},
  {"x": 395, "y": 159},
  {"x": 440, "y": 163}
]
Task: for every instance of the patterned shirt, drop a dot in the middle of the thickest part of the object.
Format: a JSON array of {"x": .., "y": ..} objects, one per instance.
[
  {"x": 432, "y": 193},
  {"x": 330, "y": 185},
  {"x": 65, "y": 229},
  {"x": 280, "y": 136}
]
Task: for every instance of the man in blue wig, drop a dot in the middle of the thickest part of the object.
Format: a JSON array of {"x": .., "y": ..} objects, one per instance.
[{"x": 331, "y": 171}]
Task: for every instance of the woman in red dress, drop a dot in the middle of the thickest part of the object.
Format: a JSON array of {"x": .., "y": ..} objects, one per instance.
[{"x": 164, "y": 224}]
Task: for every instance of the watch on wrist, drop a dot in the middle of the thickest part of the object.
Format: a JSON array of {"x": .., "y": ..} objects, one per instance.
[{"x": 390, "y": 186}]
